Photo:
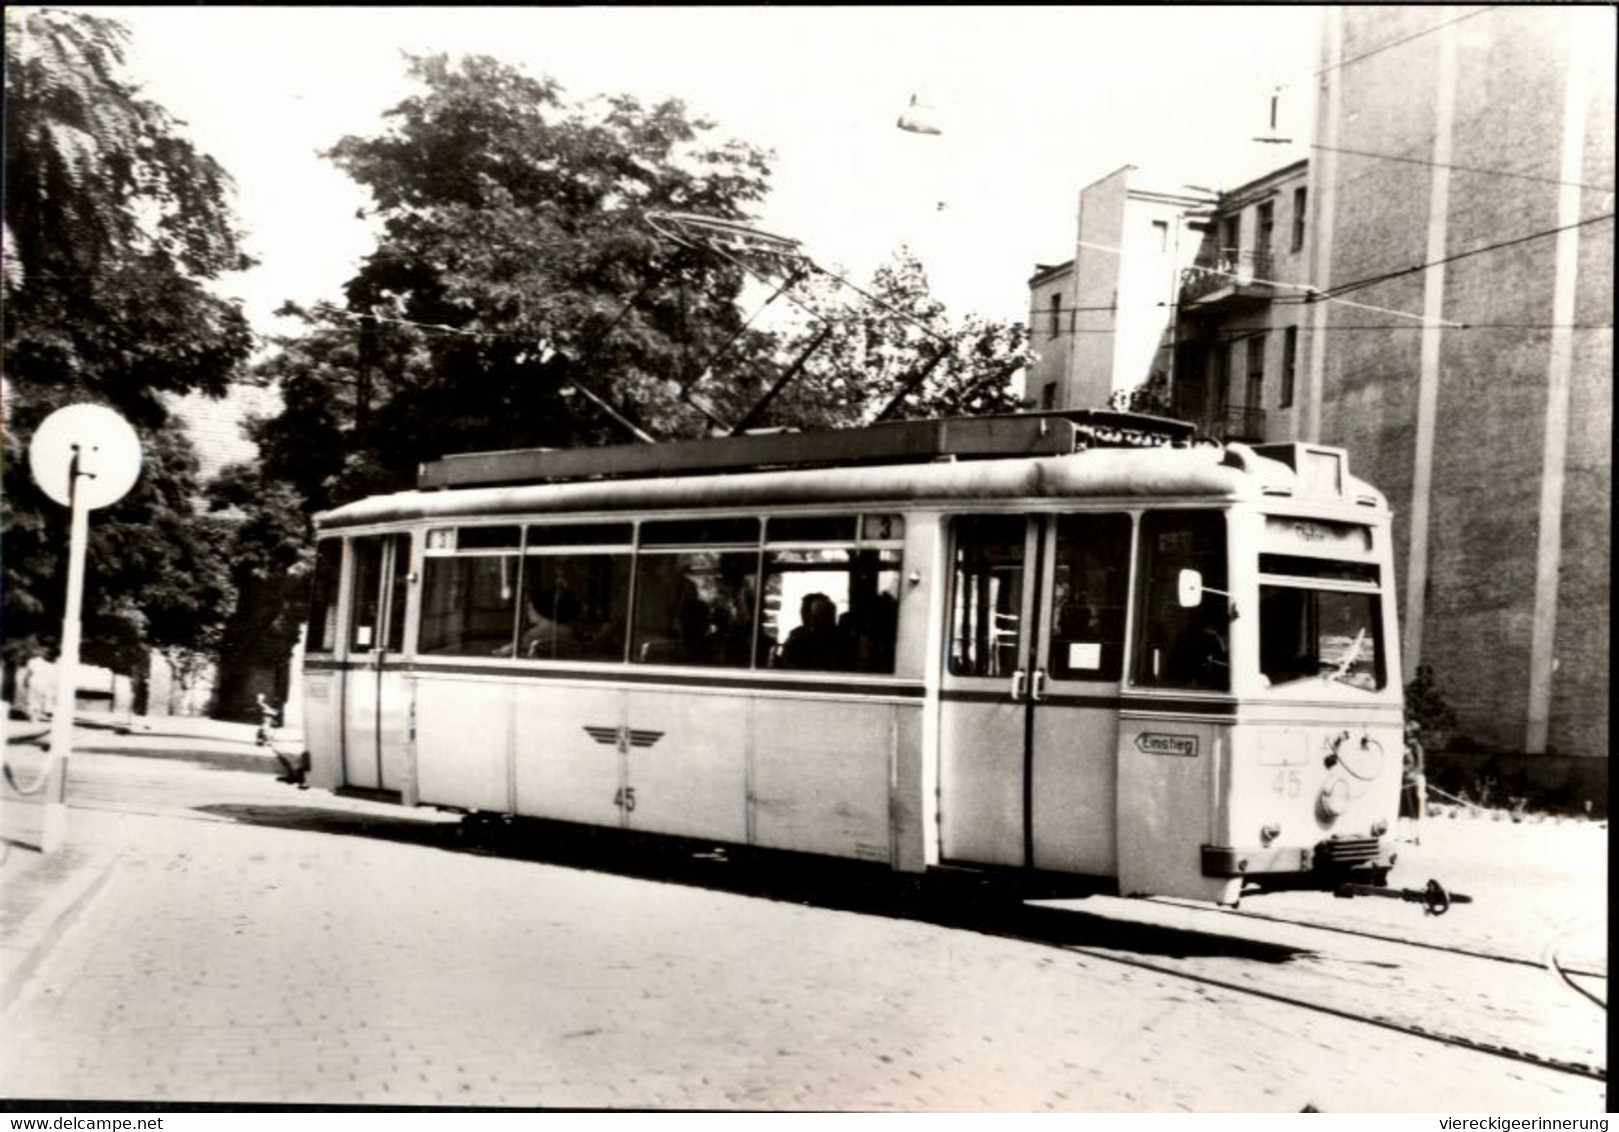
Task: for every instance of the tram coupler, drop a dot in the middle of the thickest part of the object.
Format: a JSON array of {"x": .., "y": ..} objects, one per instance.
[{"x": 1434, "y": 897}]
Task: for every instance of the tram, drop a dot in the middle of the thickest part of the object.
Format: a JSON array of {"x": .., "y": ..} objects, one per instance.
[{"x": 1071, "y": 644}]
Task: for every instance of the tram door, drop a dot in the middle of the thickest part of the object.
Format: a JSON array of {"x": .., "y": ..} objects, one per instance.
[
  {"x": 1029, "y": 703},
  {"x": 374, "y": 695}
]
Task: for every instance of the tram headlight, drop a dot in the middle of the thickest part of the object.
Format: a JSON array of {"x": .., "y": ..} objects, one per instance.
[{"x": 1334, "y": 799}]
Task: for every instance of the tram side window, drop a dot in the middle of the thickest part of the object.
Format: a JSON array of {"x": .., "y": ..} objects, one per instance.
[
  {"x": 399, "y": 587},
  {"x": 365, "y": 611},
  {"x": 469, "y": 605},
  {"x": 695, "y": 607},
  {"x": 830, "y": 609},
  {"x": 1183, "y": 648},
  {"x": 575, "y": 606},
  {"x": 988, "y": 595},
  {"x": 322, "y": 632},
  {"x": 1091, "y": 583}
]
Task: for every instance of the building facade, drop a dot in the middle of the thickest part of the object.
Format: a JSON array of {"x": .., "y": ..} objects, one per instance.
[
  {"x": 1098, "y": 321},
  {"x": 1241, "y": 310},
  {"x": 1433, "y": 290},
  {"x": 1462, "y": 197}
]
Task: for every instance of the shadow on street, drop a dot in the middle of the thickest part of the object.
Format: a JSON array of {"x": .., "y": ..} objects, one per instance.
[{"x": 969, "y": 902}]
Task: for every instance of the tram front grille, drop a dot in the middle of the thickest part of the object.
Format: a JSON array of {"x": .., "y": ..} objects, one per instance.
[{"x": 1347, "y": 851}]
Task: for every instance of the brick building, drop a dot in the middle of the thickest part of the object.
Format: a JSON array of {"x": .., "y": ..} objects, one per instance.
[
  {"x": 1433, "y": 290},
  {"x": 1479, "y": 143}
]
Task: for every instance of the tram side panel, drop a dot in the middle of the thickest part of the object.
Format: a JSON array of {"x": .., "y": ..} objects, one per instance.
[
  {"x": 568, "y": 752},
  {"x": 1170, "y": 774},
  {"x": 821, "y": 774},
  {"x": 463, "y": 741},
  {"x": 322, "y": 725},
  {"x": 685, "y": 763}
]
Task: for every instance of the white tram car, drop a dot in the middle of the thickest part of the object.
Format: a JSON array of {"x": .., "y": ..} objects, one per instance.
[{"x": 1057, "y": 643}]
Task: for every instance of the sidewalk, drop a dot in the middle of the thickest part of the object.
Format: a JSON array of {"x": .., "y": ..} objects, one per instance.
[
  {"x": 41, "y": 895},
  {"x": 172, "y": 726}
]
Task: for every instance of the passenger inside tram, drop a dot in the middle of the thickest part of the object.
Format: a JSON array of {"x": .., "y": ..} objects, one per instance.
[
  {"x": 550, "y": 617},
  {"x": 816, "y": 643}
]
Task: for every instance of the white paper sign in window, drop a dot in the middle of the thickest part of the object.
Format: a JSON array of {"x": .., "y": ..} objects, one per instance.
[{"x": 1085, "y": 654}]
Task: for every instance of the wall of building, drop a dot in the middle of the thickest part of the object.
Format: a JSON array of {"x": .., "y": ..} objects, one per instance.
[
  {"x": 1051, "y": 303},
  {"x": 1245, "y": 306},
  {"x": 1097, "y": 259},
  {"x": 1481, "y": 407},
  {"x": 1116, "y": 294},
  {"x": 1156, "y": 246}
]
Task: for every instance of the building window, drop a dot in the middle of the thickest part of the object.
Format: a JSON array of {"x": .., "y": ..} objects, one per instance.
[
  {"x": 1290, "y": 363},
  {"x": 1301, "y": 200},
  {"x": 1255, "y": 393},
  {"x": 1048, "y": 395},
  {"x": 1160, "y": 229},
  {"x": 1231, "y": 236},
  {"x": 1056, "y": 315},
  {"x": 1267, "y": 226}
]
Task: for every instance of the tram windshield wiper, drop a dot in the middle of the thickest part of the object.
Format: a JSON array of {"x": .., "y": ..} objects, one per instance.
[{"x": 1351, "y": 654}]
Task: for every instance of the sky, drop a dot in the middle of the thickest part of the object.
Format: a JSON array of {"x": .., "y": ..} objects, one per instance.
[{"x": 1032, "y": 103}]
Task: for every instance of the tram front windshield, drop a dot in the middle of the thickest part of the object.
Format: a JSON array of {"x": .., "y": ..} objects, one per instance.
[{"x": 1320, "y": 620}]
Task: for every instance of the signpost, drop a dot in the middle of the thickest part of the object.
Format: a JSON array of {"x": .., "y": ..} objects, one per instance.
[{"x": 83, "y": 457}]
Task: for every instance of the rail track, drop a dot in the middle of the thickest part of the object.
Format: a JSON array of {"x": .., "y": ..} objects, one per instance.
[
  {"x": 1502, "y": 1006},
  {"x": 1550, "y": 961}
]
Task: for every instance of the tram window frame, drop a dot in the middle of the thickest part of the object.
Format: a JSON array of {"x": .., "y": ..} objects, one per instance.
[
  {"x": 1177, "y": 647},
  {"x": 859, "y": 635},
  {"x": 366, "y": 555},
  {"x": 697, "y": 617},
  {"x": 325, "y": 597},
  {"x": 487, "y": 543},
  {"x": 977, "y": 646},
  {"x": 595, "y": 626},
  {"x": 1310, "y": 649},
  {"x": 861, "y": 640},
  {"x": 398, "y": 592},
  {"x": 1089, "y": 619}
]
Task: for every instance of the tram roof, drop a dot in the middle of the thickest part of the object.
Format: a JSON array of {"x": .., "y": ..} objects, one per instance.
[
  {"x": 895, "y": 442},
  {"x": 1205, "y": 472}
]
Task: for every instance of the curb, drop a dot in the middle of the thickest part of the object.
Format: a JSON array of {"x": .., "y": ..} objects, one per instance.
[{"x": 27, "y": 945}]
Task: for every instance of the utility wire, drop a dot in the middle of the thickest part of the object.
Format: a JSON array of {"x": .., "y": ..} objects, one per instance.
[
  {"x": 1332, "y": 293},
  {"x": 1462, "y": 168},
  {"x": 1339, "y": 329},
  {"x": 1405, "y": 39}
]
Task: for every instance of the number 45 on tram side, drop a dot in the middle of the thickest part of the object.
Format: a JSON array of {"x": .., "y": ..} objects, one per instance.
[{"x": 1056, "y": 643}]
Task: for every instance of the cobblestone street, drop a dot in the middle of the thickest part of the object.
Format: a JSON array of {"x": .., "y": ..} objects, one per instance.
[{"x": 273, "y": 946}]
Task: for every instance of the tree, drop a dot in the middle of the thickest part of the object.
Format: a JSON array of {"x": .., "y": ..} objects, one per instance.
[
  {"x": 1151, "y": 396},
  {"x": 516, "y": 278},
  {"x": 114, "y": 225},
  {"x": 893, "y": 349},
  {"x": 270, "y": 556}
]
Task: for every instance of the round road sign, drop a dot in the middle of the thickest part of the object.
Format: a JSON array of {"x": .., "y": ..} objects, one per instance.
[{"x": 108, "y": 451}]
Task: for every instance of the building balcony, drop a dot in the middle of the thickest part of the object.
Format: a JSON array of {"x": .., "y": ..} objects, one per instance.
[
  {"x": 1228, "y": 274},
  {"x": 1235, "y": 422}
]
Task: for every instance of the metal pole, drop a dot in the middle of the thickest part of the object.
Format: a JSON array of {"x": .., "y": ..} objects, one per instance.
[{"x": 54, "y": 832}]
